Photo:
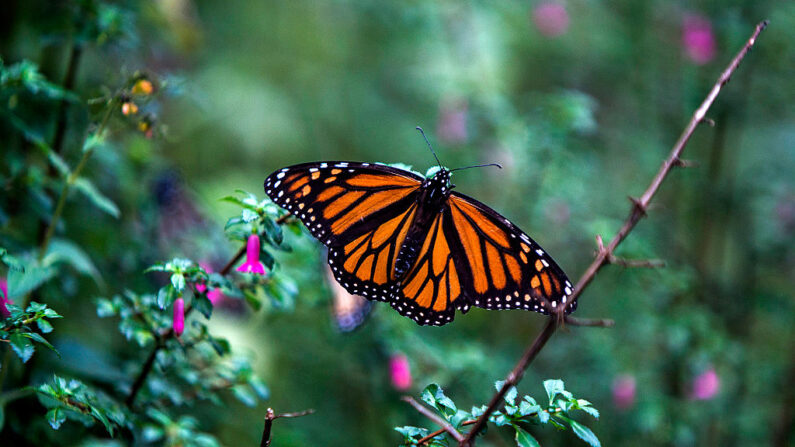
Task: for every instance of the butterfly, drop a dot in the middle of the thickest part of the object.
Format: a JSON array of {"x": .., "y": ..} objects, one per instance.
[{"x": 395, "y": 236}]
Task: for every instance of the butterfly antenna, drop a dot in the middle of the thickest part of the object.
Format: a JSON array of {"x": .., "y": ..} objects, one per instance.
[
  {"x": 430, "y": 147},
  {"x": 477, "y": 166}
]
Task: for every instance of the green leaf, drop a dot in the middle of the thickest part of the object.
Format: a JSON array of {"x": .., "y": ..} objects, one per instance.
[
  {"x": 510, "y": 395},
  {"x": 93, "y": 141},
  {"x": 273, "y": 231},
  {"x": 582, "y": 432},
  {"x": 553, "y": 387},
  {"x": 525, "y": 439},
  {"x": 20, "y": 283},
  {"x": 96, "y": 197},
  {"x": 245, "y": 394},
  {"x": 21, "y": 346},
  {"x": 178, "y": 281},
  {"x": 11, "y": 261},
  {"x": 203, "y": 305},
  {"x": 42, "y": 340},
  {"x": 434, "y": 396},
  {"x": 56, "y": 417},
  {"x": 61, "y": 250}
]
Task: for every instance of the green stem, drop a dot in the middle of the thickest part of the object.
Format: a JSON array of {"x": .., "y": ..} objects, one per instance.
[{"x": 70, "y": 181}]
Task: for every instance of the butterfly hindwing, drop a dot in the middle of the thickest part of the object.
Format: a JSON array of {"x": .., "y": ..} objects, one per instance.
[
  {"x": 365, "y": 264},
  {"x": 500, "y": 266},
  {"x": 431, "y": 288}
]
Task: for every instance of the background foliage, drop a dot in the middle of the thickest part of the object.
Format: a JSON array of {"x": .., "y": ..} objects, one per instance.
[{"x": 579, "y": 107}]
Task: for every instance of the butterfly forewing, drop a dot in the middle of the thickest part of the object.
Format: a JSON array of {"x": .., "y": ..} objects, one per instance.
[
  {"x": 338, "y": 201},
  {"x": 500, "y": 266},
  {"x": 361, "y": 211}
]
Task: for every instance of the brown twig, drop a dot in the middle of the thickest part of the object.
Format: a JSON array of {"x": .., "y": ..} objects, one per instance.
[
  {"x": 430, "y": 436},
  {"x": 270, "y": 415},
  {"x": 639, "y": 207},
  {"x": 436, "y": 419},
  {"x": 513, "y": 378},
  {"x": 632, "y": 263}
]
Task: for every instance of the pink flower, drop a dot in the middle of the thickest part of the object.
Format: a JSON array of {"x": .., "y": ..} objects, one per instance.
[
  {"x": 400, "y": 372},
  {"x": 252, "y": 264},
  {"x": 551, "y": 19},
  {"x": 179, "y": 316},
  {"x": 4, "y": 299},
  {"x": 452, "y": 124},
  {"x": 698, "y": 39},
  {"x": 706, "y": 385},
  {"x": 215, "y": 296},
  {"x": 624, "y": 391}
]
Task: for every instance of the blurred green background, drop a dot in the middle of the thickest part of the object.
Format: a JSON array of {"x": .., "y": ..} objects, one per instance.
[{"x": 579, "y": 101}]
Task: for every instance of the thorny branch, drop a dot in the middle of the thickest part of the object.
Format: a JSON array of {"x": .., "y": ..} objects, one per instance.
[{"x": 604, "y": 256}]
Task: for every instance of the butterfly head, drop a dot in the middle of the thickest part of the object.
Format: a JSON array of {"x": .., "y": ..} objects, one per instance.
[{"x": 439, "y": 180}]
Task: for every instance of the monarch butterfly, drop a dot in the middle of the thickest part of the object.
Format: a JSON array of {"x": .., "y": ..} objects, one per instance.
[{"x": 395, "y": 236}]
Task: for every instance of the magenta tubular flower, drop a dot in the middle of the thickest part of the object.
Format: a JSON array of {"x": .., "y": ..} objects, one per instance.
[
  {"x": 624, "y": 392},
  {"x": 179, "y": 316},
  {"x": 400, "y": 372},
  {"x": 706, "y": 385},
  {"x": 698, "y": 39},
  {"x": 4, "y": 300},
  {"x": 252, "y": 264}
]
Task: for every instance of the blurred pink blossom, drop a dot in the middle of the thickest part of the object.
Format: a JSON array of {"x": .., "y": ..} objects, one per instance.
[
  {"x": 215, "y": 296},
  {"x": 451, "y": 127},
  {"x": 4, "y": 299},
  {"x": 698, "y": 39},
  {"x": 400, "y": 372},
  {"x": 252, "y": 264},
  {"x": 706, "y": 385},
  {"x": 551, "y": 19},
  {"x": 624, "y": 391},
  {"x": 179, "y": 316}
]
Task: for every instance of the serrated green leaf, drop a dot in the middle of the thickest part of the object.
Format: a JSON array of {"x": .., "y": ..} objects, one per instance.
[
  {"x": 525, "y": 439},
  {"x": 40, "y": 339},
  {"x": 96, "y": 197},
  {"x": 22, "y": 346},
  {"x": 582, "y": 432},
  {"x": 510, "y": 396},
  {"x": 553, "y": 388},
  {"x": 273, "y": 231},
  {"x": 434, "y": 396}
]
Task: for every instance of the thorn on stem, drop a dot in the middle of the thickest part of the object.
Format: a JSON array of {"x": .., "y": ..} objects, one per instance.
[
  {"x": 709, "y": 121},
  {"x": 685, "y": 163},
  {"x": 638, "y": 205}
]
